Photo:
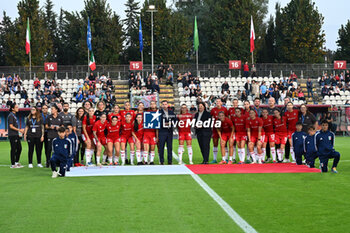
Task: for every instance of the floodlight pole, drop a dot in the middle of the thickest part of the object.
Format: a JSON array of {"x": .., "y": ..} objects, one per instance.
[{"x": 151, "y": 9}]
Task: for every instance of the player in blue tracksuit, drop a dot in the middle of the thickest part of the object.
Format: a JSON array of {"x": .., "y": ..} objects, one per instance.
[
  {"x": 61, "y": 147},
  {"x": 74, "y": 140},
  {"x": 310, "y": 147},
  {"x": 298, "y": 142},
  {"x": 325, "y": 147}
]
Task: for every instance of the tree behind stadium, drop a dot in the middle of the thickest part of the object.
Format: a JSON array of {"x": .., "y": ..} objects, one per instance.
[
  {"x": 343, "y": 42},
  {"x": 299, "y": 34}
]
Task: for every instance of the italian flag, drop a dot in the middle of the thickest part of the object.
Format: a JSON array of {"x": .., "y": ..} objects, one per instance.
[
  {"x": 92, "y": 63},
  {"x": 28, "y": 37}
]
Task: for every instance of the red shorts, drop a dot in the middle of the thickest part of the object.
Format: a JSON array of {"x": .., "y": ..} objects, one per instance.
[
  {"x": 270, "y": 137},
  {"x": 103, "y": 141},
  {"x": 226, "y": 136},
  {"x": 281, "y": 139},
  {"x": 149, "y": 139},
  {"x": 185, "y": 136},
  {"x": 126, "y": 139},
  {"x": 140, "y": 139},
  {"x": 113, "y": 140},
  {"x": 290, "y": 134},
  {"x": 215, "y": 133},
  {"x": 254, "y": 138},
  {"x": 241, "y": 137}
]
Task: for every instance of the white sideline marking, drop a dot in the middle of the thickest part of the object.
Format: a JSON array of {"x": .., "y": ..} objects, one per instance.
[{"x": 226, "y": 207}]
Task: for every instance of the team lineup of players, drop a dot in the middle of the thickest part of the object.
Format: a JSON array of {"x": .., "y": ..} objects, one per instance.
[{"x": 239, "y": 127}]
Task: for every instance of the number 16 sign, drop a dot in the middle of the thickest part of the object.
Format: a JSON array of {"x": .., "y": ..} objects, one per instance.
[{"x": 234, "y": 64}]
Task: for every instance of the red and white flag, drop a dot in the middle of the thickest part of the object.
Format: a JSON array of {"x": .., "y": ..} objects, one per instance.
[
  {"x": 92, "y": 62},
  {"x": 28, "y": 37},
  {"x": 252, "y": 35}
]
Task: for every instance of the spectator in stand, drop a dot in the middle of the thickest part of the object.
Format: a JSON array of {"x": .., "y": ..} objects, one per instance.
[
  {"x": 224, "y": 87},
  {"x": 79, "y": 97},
  {"x": 263, "y": 91},
  {"x": 293, "y": 77},
  {"x": 322, "y": 81},
  {"x": 239, "y": 94},
  {"x": 161, "y": 71},
  {"x": 199, "y": 91},
  {"x": 3, "y": 105},
  {"x": 325, "y": 91},
  {"x": 300, "y": 94},
  {"x": 192, "y": 85},
  {"x": 9, "y": 102},
  {"x": 186, "y": 91},
  {"x": 333, "y": 81},
  {"x": 309, "y": 87},
  {"x": 103, "y": 78},
  {"x": 253, "y": 71},
  {"x": 248, "y": 87},
  {"x": 170, "y": 75},
  {"x": 197, "y": 82},
  {"x": 193, "y": 109},
  {"x": 347, "y": 76},
  {"x": 271, "y": 90},
  {"x": 27, "y": 103},
  {"x": 37, "y": 83},
  {"x": 255, "y": 89},
  {"x": 92, "y": 77},
  {"x": 156, "y": 87},
  {"x": 276, "y": 94},
  {"x": 245, "y": 70},
  {"x": 193, "y": 92},
  {"x": 244, "y": 96}
]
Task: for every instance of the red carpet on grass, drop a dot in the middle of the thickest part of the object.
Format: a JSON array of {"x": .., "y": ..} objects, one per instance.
[{"x": 251, "y": 168}]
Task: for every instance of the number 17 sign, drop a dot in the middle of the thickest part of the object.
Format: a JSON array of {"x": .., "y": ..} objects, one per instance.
[
  {"x": 136, "y": 65},
  {"x": 339, "y": 65}
]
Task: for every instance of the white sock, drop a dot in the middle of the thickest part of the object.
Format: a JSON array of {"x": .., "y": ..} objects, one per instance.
[
  {"x": 255, "y": 150},
  {"x": 110, "y": 160},
  {"x": 98, "y": 159},
  {"x": 180, "y": 152},
  {"x": 215, "y": 153},
  {"x": 264, "y": 151},
  {"x": 104, "y": 158},
  {"x": 231, "y": 158},
  {"x": 190, "y": 153},
  {"x": 122, "y": 154},
  {"x": 132, "y": 155},
  {"x": 241, "y": 153},
  {"x": 273, "y": 153},
  {"x": 279, "y": 154},
  {"x": 145, "y": 156},
  {"x": 234, "y": 151},
  {"x": 262, "y": 157},
  {"x": 138, "y": 156},
  {"x": 152, "y": 156},
  {"x": 252, "y": 154},
  {"x": 292, "y": 154},
  {"x": 116, "y": 158}
]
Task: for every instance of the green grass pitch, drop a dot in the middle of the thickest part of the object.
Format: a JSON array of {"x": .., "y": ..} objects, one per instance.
[{"x": 31, "y": 201}]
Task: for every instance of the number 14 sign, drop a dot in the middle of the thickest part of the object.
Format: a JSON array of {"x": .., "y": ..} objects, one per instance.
[{"x": 136, "y": 65}]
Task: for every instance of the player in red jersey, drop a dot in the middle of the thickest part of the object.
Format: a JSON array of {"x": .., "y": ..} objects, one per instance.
[
  {"x": 116, "y": 112},
  {"x": 256, "y": 136},
  {"x": 113, "y": 139},
  {"x": 184, "y": 128},
  {"x": 232, "y": 110},
  {"x": 280, "y": 124},
  {"x": 140, "y": 108},
  {"x": 292, "y": 116},
  {"x": 214, "y": 113},
  {"x": 88, "y": 123},
  {"x": 99, "y": 137},
  {"x": 226, "y": 134},
  {"x": 246, "y": 108},
  {"x": 150, "y": 139},
  {"x": 239, "y": 123},
  {"x": 137, "y": 133},
  {"x": 127, "y": 109},
  {"x": 126, "y": 137},
  {"x": 269, "y": 134}
]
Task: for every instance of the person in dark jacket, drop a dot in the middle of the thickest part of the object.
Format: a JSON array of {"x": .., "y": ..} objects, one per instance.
[
  {"x": 165, "y": 133},
  {"x": 203, "y": 133},
  {"x": 13, "y": 135},
  {"x": 306, "y": 118},
  {"x": 62, "y": 148}
]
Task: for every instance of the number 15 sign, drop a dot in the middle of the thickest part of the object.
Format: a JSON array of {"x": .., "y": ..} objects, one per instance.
[
  {"x": 339, "y": 65},
  {"x": 135, "y": 65},
  {"x": 234, "y": 64}
]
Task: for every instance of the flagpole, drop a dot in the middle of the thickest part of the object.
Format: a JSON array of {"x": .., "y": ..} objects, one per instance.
[
  {"x": 252, "y": 57},
  {"x": 197, "y": 61},
  {"x": 30, "y": 64},
  {"x": 88, "y": 61},
  {"x": 142, "y": 62}
]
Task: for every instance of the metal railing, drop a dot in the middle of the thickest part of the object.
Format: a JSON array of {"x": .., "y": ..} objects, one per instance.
[{"x": 205, "y": 70}]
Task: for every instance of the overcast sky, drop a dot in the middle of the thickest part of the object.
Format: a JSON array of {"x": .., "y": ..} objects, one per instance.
[{"x": 335, "y": 12}]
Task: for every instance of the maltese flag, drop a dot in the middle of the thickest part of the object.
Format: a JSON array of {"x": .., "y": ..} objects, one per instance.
[{"x": 252, "y": 35}]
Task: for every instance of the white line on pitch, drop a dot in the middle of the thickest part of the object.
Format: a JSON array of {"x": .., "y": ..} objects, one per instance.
[{"x": 223, "y": 204}]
